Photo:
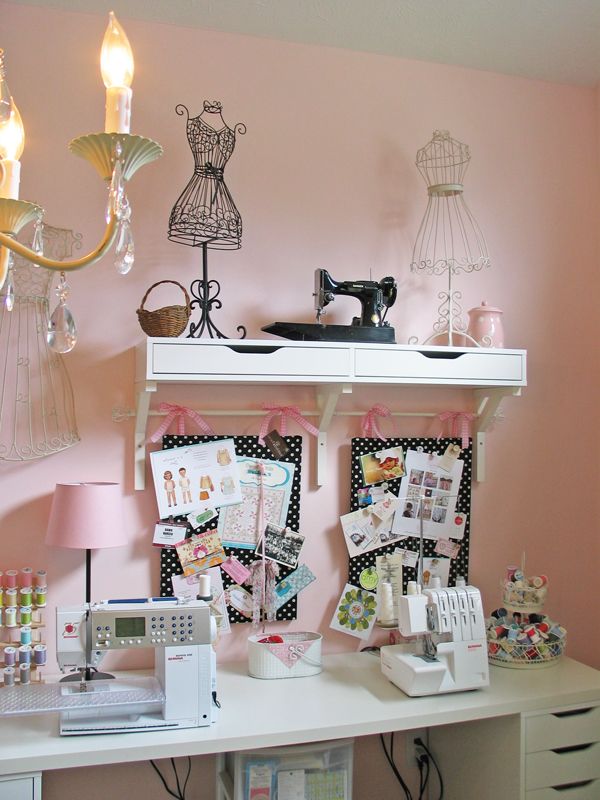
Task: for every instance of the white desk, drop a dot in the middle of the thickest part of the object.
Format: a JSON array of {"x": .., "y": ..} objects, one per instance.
[{"x": 349, "y": 698}]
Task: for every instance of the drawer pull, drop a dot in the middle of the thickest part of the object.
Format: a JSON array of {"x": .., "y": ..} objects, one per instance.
[
  {"x": 572, "y": 748},
  {"x": 431, "y": 354},
  {"x": 256, "y": 348},
  {"x": 566, "y": 787},
  {"x": 573, "y": 712}
]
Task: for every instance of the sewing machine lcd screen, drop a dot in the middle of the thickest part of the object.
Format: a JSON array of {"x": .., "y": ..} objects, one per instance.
[{"x": 130, "y": 626}]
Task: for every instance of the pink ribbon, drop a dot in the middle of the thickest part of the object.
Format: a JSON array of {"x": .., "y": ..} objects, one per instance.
[
  {"x": 285, "y": 412},
  {"x": 460, "y": 425},
  {"x": 369, "y": 425},
  {"x": 179, "y": 413}
]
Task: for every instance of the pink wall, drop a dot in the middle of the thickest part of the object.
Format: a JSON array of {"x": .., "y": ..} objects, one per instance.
[{"x": 325, "y": 176}]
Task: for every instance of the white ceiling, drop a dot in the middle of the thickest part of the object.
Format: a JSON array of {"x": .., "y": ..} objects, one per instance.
[{"x": 555, "y": 40}]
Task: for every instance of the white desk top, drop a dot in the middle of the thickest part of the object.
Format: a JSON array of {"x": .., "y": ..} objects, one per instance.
[{"x": 349, "y": 698}]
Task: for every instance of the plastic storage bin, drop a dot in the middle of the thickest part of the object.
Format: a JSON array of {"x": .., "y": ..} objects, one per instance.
[{"x": 315, "y": 771}]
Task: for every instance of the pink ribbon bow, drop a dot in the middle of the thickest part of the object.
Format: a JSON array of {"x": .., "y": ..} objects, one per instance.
[
  {"x": 460, "y": 425},
  {"x": 285, "y": 412},
  {"x": 369, "y": 425},
  {"x": 179, "y": 413}
]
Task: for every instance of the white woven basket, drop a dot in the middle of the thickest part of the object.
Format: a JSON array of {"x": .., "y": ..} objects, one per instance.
[{"x": 298, "y": 656}]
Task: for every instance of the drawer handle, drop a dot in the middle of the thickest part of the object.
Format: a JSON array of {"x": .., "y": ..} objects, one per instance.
[
  {"x": 441, "y": 354},
  {"x": 566, "y": 787},
  {"x": 572, "y": 748},
  {"x": 254, "y": 348},
  {"x": 574, "y": 712}
]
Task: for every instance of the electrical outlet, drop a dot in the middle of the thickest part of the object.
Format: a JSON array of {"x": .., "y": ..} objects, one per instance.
[{"x": 413, "y": 751}]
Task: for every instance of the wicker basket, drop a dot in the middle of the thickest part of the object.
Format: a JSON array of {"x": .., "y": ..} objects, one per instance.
[{"x": 167, "y": 321}]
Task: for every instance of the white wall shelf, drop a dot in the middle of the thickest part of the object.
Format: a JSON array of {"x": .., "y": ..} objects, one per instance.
[{"x": 333, "y": 368}]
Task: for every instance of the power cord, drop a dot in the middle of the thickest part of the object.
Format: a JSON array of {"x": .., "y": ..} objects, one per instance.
[
  {"x": 179, "y": 792},
  {"x": 429, "y": 756},
  {"x": 390, "y": 759}
]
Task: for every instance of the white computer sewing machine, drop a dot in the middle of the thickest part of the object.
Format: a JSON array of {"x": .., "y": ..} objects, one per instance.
[
  {"x": 451, "y": 656},
  {"x": 182, "y": 693}
]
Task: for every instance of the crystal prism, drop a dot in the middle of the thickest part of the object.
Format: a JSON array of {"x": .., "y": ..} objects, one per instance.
[
  {"x": 62, "y": 333},
  {"x": 115, "y": 192},
  {"x": 125, "y": 250},
  {"x": 38, "y": 238},
  {"x": 9, "y": 300}
]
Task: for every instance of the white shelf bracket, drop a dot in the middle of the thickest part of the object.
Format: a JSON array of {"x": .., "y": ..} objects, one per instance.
[
  {"x": 144, "y": 395},
  {"x": 488, "y": 403},
  {"x": 327, "y": 399}
]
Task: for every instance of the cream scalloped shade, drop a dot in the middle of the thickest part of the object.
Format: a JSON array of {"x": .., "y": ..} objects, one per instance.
[{"x": 86, "y": 516}]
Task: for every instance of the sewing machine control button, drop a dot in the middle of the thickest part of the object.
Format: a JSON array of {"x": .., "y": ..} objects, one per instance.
[
  {"x": 99, "y": 628},
  {"x": 162, "y": 619},
  {"x": 122, "y": 641},
  {"x": 139, "y": 641},
  {"x": 153, "y": 619},
  {"x": 131, "y": 641}
]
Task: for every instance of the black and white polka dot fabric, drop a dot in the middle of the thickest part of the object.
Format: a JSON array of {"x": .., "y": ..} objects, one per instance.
[
  {"x": 244, "y": 446},
  {"x": 458, "y": 565}
]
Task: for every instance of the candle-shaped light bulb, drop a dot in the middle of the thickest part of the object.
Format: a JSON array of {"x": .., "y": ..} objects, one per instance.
[
  {"x": 116, "y": 64},
  {"x": 12, "y": 142}
]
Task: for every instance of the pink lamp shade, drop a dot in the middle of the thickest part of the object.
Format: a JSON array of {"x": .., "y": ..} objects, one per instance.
[{"x": 86, "y": 516}]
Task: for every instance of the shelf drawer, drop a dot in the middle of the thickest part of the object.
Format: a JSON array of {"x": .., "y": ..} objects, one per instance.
[
  {"x": 552, "y": 768},
  {"x": 236, "y": 362},
  {"x": 474, "y": 368},
  {"x": 562, "y": 728},
  {"x": 581, "y": 790}
]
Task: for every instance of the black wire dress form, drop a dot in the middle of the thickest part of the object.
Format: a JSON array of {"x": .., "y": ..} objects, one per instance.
[{"x": 205, "y": 215}]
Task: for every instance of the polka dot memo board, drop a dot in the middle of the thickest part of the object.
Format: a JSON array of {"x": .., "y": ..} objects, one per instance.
[
  {"x": 244, "y": 446},
  {"x": 458, "y": 565}
]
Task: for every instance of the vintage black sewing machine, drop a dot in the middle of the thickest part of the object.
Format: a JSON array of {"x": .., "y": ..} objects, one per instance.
[{"x": 375, "y": 298}]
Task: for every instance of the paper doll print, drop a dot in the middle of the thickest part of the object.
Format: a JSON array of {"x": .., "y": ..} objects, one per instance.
[
  {"x": 227, "y": 485},
  {"x": 184, "y": 485},
  {"x": 206, "y": 486},
  {"x": 223, "y": 457},
  {"x": 170, "y": 488}
]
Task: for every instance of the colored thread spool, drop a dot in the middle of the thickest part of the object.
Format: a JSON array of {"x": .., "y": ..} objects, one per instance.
[
  {"x": 25, "y": 654},
  {"x": 10, "y": 616},
  {"x": 1, "y": 610},
  {"x": 10, "y": 656},
  {"x": 24, "y": 673},
  {"x": 25, "y": 595},
  {"x": 39, "y": 654},
  {"x": 9, "y": 676},
  {"x": 10, "y": 596},
  {"x": 25, "y": 635},
  {"x": 26, "y": 578},
  {"x": 10, "y": 578},
  {"x": 40, "y": 578},
  {"x": 25, "y": 615},
  {"x": 39, "y": 595},
  {"x": 1, "y": 595},
  {"x": 510, "y": 572}
]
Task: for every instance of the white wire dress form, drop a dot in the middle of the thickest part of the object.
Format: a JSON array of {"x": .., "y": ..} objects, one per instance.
[
  {"x": 449, "y": 240},
  {"x": 37, "y": 409}
]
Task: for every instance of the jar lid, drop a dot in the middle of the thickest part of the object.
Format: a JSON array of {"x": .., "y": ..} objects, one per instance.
[{"x": 485, "y": 307}]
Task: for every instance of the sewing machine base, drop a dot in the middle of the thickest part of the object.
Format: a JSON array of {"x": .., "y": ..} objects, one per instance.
[
  {"x": 460, "y": 666},
  {"x": 315, "y": 332}
]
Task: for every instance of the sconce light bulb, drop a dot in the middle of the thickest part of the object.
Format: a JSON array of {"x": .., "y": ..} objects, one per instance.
[
  {"x": 116, "y": 57},
  {"x": 12, "y": 136}
]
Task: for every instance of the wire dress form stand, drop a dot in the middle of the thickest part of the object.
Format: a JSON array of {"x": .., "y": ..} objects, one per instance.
[
  {"x": 449, "y": 240},
  {"x": 205, "y": 215},
  {"x": 37, "y": 409}
]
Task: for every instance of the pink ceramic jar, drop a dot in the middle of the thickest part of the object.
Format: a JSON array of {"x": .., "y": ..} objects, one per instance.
[{"x": 485, "y": 325}]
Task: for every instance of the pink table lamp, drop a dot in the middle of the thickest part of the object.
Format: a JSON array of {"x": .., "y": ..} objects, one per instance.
[{"x": 87, "y": 516}]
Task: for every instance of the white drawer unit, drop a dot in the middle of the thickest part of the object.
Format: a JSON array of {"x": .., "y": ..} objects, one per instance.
[
  {"x": 438, "y": 365},
  {"x": 333, "y": 368},
  {"x": 26, "y": 786},
  {"x": 561, "y": 753},
  {"x": 241, "y": 362}
]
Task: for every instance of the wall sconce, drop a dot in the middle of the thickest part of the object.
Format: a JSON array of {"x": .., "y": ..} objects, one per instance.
[{"x": 115, "y": 154}]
